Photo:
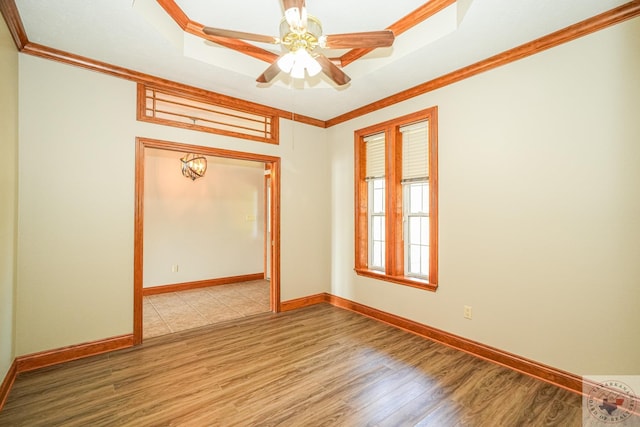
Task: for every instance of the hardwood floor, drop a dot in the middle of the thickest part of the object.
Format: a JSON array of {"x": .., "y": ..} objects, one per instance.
[{"x": 315, "y": 366}]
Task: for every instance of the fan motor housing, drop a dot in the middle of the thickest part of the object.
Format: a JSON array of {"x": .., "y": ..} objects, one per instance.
[{"x": 307, "y": 39}]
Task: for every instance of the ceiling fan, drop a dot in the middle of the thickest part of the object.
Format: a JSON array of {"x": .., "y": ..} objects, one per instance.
[{"x": 301, "y": 34}]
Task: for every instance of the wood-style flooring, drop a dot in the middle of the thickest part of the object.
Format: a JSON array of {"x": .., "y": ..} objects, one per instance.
[{"x": 315, "y": 366}]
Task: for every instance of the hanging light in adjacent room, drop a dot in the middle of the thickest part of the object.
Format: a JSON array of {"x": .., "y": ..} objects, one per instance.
[{"x": 194, "y": 166}]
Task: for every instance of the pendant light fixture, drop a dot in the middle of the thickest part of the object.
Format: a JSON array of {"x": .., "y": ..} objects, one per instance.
[{"x": 194, "y": 166}]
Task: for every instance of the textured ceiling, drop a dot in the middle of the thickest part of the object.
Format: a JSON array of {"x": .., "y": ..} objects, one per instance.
[{"x": 140, "y": 36}]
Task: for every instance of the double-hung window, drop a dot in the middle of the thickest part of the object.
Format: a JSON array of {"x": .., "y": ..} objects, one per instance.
[
  {"x": 376, "y": 200},
  {"x": 415, "y": 192},
  {"x": 396, "y": 200}
]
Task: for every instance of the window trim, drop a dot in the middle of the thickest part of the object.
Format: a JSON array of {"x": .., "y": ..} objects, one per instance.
[{"x": 394, "y": 261}]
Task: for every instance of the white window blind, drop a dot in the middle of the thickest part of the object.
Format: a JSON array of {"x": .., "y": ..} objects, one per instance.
[
  {"x": 375, "y": 155},
  {"x": 415, "y": 152}
]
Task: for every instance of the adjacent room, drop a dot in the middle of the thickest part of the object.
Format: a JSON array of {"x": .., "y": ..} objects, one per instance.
[
  {"x": 349, "y": 213},
  {"x": 205, "y": 242}
]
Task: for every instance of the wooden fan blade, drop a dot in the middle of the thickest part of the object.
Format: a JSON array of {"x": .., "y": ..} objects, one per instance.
[
  {"x": 288, "y": 4},
  {"x": 332, "y": 71},
  {"x": 217, "y": 32},
  {"x": 270, "y": 73},
  {"x": 295, "y": 13},
  {"x": 370, "y": 39}
]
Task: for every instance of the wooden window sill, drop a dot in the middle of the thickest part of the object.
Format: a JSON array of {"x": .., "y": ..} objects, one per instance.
[{"x": 402, "y": 280}]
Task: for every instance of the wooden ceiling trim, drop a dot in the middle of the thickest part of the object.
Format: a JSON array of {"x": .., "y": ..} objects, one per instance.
[
  {"x": 572, "y": 32},
  {"x": 619, "y": 14},
  {"x": 46, "y": 52},
  {"x": 422, "y": 13},
  {"x": 127, "y": 74},
  {"x": 174, "y": 11},
  {"x": 195, "y": 28},
  {"x": 295, "y": 117},
  {"x": 419, "y": 15},
  {"x": 9, "y": 11}
]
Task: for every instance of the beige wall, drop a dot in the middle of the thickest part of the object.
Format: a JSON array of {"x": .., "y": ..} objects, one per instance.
[
  {"x": 539, "y": 207},
  {"x": 8, "y": 194},
  {"x": 76, "y": 191},
  {"x": 75, "y": 245},
  {"x": 210, "y": 228}
]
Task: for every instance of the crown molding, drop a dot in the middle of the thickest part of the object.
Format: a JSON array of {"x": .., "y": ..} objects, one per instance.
[
  {"x": 572, "y": 32},
  {"x": 138, "y": 77},
  {"x": 9, "y": 11},
  {"x": 612, "y": 17},
  {"x": 422, "y": 13}
]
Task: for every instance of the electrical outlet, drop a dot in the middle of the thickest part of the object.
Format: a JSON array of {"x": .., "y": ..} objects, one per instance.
[
  {"x": 174, "y": 268},
  {"x": 467, "y": 312}
]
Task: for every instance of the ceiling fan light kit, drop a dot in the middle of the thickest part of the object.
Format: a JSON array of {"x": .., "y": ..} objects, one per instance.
[
  {"x": 300, "y": 43},
  {"x": 295, "y": 64},
  {"x": 301, "y": 34}
]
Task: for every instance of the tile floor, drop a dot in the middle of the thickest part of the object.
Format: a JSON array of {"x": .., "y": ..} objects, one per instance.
[{"x": 177, "y": 311}]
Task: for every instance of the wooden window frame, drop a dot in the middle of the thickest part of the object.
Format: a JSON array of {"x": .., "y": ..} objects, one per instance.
[{"x": 394, "y": 261}]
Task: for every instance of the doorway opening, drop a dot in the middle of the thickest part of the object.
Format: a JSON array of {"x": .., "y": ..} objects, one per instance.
[{"x": 271, "y": 226}]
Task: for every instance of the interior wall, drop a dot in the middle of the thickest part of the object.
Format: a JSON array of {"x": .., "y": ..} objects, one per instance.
[
  {"x": 75, "y": 244},
  {"x": 305, "y": 211},
  {"x": 8, "y": 194},
  {"x": 539, "y": 207},
  {"x": 209, "y": 228}
]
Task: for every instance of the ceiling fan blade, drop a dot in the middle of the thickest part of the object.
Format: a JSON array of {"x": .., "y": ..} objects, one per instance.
[
  {"x": 288, "y": 4},
  {"x": 370, "y": 39},
  {"x": 217, "y": 32},
  {"x": 332, "y": 71},
  {"x": 295, "y": 12},
  {"x": 269, "y": 74}
]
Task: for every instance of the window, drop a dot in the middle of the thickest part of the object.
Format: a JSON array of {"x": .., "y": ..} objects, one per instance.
[
  {"x": 374, "y": 146},
  {"x": 397, "y": 200},
  {"x": 376, "y": 224},
  {"x": 416, "y": 230}
]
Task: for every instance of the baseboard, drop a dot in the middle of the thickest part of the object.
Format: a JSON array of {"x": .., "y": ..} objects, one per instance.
[
  {"x": 295, "y": 304},
  {"x": 534, "y": 369},
  {"x": 43, "y": 359},
  {"x": 154, "y": 290},
  {"x": 7, "y": 383}
]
